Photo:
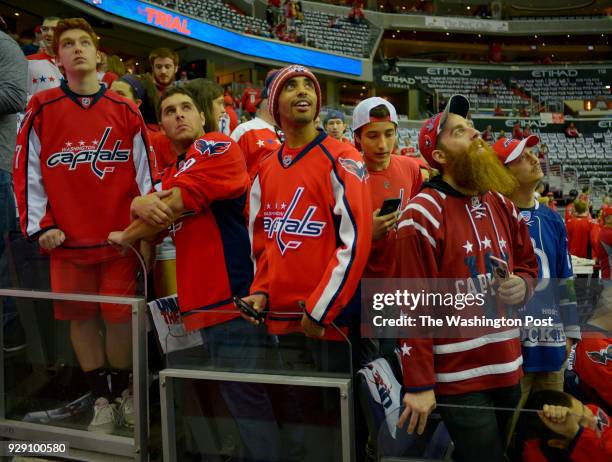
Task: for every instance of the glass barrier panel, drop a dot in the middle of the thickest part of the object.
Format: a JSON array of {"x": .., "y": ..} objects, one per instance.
[
  {"x": 68, "y": 363},
  {"x": 249, "y": 421},
  {"x": 230, "y": 343}
]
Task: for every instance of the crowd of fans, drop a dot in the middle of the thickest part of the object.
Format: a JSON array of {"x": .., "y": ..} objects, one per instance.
[{"x": 288, "y": 215}]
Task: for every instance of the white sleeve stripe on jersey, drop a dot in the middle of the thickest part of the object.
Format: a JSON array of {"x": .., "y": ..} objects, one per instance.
[
  {"x": 418, "y": 227},
  {"x": 501, "y": 368},
  {"x": 425, "y": 213},
  {"x": 140, "y": 155},
  {"x": 35, "y": 193},
  {"x": 475, "y": 342},
  {"x": 430, "y": 198},
  {"x": 254, "y": 206},
  {"x": 442, "y": 195},
  {"x": 344, "y": 254}
]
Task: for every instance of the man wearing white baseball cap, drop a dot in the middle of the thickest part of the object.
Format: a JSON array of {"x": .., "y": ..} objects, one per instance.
[
  {"x": 391, "y": 177},
  {"x": 450, "y": 230},
  {"x": 544, "y": 349}
]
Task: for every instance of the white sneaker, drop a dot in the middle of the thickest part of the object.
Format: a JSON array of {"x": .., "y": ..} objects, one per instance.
[
  {"x": 126, "y": 408},
  {"x": 104, "y": 417}
]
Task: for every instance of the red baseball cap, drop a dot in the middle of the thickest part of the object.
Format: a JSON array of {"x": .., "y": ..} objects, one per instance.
[
  {"x": 457, "y": 104},
  {"x": 509, "y": 149}
]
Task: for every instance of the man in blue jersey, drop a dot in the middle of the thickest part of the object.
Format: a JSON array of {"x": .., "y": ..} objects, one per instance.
[{"x": 545, "y": 349}]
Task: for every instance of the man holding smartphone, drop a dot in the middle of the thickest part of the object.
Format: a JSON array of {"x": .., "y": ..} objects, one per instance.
[
  {"x": 393, "y": 179},
  {"x": 449, "y": 230}
]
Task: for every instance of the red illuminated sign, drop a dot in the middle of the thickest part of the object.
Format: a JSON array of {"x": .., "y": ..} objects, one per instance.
[{"x": 166, "y": 20}]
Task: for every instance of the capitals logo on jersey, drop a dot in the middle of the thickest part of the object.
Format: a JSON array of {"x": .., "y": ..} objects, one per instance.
[
  {"x": 283, "y": 224},
  {"x": 357, "y": 168},
  {"x": 602, "y": 356},
  {"x": 211, "y": 148},
  {"x": 93, "y": 154}
]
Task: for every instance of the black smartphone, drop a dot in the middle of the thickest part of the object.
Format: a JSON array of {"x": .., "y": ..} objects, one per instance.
[
  {"x": 247, "y": 309},
  {"x": 389, "y": 206}
]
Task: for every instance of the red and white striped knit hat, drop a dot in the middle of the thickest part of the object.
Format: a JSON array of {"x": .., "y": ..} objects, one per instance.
[{"x": 278, "y": 83}]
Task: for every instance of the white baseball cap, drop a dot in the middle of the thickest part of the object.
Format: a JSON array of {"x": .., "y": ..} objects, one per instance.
[{"x": 361, "y": 113}]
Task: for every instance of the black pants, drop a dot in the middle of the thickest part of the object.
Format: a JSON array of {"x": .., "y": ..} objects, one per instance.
[{"x": 479, "y": 434}]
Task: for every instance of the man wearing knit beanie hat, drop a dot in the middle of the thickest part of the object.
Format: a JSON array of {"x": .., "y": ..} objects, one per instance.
[
  {"x": 310, "y": 216},
  {"x": 451, "y": 229}
]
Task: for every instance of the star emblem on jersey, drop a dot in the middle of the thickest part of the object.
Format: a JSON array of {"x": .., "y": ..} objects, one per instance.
[
  {"x": 260, "y": 143},
  {"x": 211, "y": 148},
  {"x": 468, "y": 246},
  {"x": 279, "y": 225},
  {"x": 502, "y": 243},
  {"x": 354, "y": 167},
  {"x": 486, "y": 242},
  {"x": 406, "y": 349},
  {"x": 91, "y": 155}
]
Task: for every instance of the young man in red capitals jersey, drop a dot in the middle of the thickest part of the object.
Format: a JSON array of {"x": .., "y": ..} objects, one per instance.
[
  {"x": 74, "y": 184},
  {"x": 258, "y": 137},
  {"x": 310, "y": 216},
  {"x": 390, "y": 177},
  {"x": 450, "y": 230},
  {"x": 204, "y": 194}
]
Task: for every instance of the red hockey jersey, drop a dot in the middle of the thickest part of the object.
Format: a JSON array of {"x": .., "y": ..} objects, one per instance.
[
  {"x": 256, "y": 138},
  {"x": 249, "y": 98},
  {"x": 603, "y": 251},
  {"x": 311, "y": 227},
  {"x": 579, "y": 236},
  {"x": 589, "y": 445},
  {"x": 401, "y": 179},
  {"x": 593, "y": 364},
  {"x": 212, "y": 242},
  {"x": 444, "y": 234},
  {"x": 79, "y": 162}
]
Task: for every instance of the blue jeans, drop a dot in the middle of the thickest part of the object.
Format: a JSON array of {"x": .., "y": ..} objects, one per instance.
[{"x": 8, "y": 222}]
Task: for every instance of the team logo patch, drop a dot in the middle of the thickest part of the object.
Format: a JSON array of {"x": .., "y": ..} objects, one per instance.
[
  {"x": 86, "y": 101},
  {"x": 507, "y": 142},
  {"x": 427, "y": 142},
  {"x": 211, "y": 148},
  {"x": 526, "y": 214},
  {"x": 602, "y": 421},
  {"x": 93, "y": 153},
  {"x": 300, "y": 69},
  {"x": 354, "y": 167},
  {"x": 602, "y": 356},
  {"x": 282, "y": 226},
  {"x": 475, "y": 201},
  {"x": 287, "y": 159}
]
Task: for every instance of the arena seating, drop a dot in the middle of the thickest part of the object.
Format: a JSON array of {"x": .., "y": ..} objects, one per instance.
[
  {"x": 562, "y": 88},
  {"x": 446, "y": 86},
  {"x": 589, "y": 157},
  {"x": 345, "y": 38}
]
